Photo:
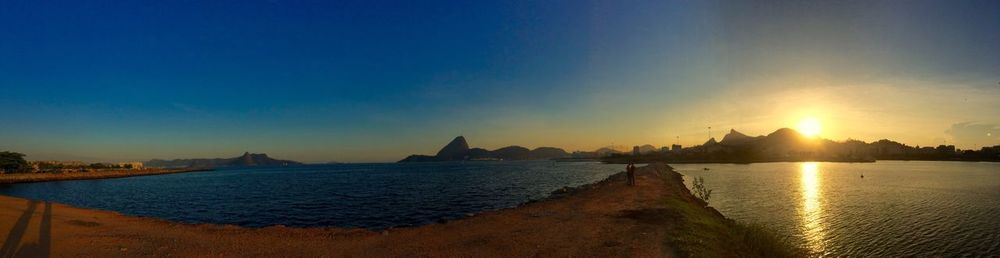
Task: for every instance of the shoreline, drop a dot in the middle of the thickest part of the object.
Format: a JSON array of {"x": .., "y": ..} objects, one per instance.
[
  {"x": 657, "y": 218},
  {"x": 24, "y": 178}
]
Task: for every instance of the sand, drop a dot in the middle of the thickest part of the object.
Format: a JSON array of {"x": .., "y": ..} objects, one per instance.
[{"x": 606, "y": 219}]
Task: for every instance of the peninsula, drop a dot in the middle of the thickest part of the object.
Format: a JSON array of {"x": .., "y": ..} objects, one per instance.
[{"x": 658, "y": 217}]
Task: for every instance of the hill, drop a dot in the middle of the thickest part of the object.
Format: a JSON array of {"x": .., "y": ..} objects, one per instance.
[
  {"x": 789, "y": 145},
  {"x": 734, "y": 138},
  {"x": 458, "y": 149},
  {"x": 246, "y": 160}
]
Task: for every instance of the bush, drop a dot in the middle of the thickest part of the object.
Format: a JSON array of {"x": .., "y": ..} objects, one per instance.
[{"x": 699, "y": 189}]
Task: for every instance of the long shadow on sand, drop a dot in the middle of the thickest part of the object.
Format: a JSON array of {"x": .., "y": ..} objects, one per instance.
[
  {"x": 16, "y": 232},
  {"x": 44, "y": 245}
]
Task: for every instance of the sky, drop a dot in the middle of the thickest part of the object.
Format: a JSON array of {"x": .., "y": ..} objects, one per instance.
[{"x": 375, "y": 81}]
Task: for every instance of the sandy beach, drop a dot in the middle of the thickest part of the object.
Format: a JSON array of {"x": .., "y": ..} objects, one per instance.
[{"x": 604, "y": 219}]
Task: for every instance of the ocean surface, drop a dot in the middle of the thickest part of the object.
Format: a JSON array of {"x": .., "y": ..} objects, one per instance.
[
  {"x": 373, "y": 196},
  {"x": 899, "y": 208}
]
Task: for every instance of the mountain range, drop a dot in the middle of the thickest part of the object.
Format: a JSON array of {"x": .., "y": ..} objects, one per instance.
[
  {"x": 246, "y": 160},
  {"x": 789, "y": 145},
  {"x": 458, "y": 149}
]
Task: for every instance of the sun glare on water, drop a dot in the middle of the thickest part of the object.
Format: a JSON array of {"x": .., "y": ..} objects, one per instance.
[{"x": 809, "y": 127}]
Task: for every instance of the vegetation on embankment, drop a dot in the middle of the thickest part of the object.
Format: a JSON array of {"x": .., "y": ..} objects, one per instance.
[
  {"x": 14, "y": 178},
  {"x": 704, "y": 232}
]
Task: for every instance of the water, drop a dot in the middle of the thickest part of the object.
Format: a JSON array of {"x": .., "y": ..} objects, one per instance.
[
  {"x": 899, "y": 208},
  {"x": 371, "y": 196}
]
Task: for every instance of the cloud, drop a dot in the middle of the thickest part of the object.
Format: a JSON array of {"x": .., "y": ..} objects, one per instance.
[{"x": 974, "y": 134}]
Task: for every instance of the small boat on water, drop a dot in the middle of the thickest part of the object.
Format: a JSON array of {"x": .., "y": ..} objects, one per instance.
[{"x": 706, "y": 169}]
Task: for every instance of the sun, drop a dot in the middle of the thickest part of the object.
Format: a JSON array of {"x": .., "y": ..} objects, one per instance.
[{"x": 809, "y": 126}]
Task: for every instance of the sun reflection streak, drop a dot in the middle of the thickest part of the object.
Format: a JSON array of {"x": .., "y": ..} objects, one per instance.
[{"x": 812, "y": 209}]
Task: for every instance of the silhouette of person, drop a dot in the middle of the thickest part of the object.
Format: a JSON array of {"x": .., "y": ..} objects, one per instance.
[{"x": 630, "y": 173}]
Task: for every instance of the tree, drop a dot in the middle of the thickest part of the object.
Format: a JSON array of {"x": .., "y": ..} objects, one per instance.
[{"x": 12, "y": 162}]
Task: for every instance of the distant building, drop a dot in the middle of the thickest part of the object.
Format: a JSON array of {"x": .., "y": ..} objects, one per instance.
[
  {"x": 136, "y": 165},
  {"x": 636, "y": 151},
  {"x": 665, "y": 149},
  {"x": 676, "y": 148},
  {"x": 65, "y": 163}
]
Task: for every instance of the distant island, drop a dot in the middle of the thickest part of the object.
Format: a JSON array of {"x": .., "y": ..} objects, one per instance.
[
  {"x": 458, "y": 149},
  {"x": 246, "y": 160},
  {"x": 789, "y": 145}
]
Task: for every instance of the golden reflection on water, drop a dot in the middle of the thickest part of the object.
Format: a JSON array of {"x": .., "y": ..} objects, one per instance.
[{"x": 812, "y": 209}]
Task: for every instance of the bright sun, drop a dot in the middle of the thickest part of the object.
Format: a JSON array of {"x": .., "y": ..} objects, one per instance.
[{"x": 809, "y": 127}]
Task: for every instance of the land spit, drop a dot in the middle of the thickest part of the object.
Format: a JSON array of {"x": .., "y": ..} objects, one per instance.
[
  {"x": 656, "y": 218},
  {"x": 14, "y": 178}
]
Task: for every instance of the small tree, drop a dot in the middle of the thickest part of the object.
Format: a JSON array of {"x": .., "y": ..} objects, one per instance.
[
  {"x": 699, "y": 189},
  {"x": 13, "y": 162}
]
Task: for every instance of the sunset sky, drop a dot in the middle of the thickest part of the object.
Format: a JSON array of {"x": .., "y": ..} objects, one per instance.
[{"x": 362, "y": 81}]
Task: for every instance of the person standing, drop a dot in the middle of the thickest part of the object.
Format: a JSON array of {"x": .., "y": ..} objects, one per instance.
[{"x": 630, "y": 174}]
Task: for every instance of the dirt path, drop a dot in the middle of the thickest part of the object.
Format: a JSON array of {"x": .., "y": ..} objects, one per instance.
[{"x": 610, "y": 219}]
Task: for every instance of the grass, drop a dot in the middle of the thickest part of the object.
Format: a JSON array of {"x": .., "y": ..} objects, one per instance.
[{"x": 704, "y": 232}]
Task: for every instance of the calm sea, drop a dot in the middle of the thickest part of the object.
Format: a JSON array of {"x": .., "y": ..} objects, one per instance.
[
  {"x": 899, "y": 208},
  {"x": 371, "y": 196}
]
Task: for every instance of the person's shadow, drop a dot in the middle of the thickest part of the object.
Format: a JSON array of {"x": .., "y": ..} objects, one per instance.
[{"x": 44, "y": 245}]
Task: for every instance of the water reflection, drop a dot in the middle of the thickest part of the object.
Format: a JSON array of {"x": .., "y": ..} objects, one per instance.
[{"x": 812, "y": 209}]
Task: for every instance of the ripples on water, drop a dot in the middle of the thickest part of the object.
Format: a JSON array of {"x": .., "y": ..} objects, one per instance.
[
  {"x": 899, "y": 208},
  {"x": 351, "y": 195}
]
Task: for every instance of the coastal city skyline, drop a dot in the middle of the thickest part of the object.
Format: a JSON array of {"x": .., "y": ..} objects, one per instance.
[{"x": 319, "y": 82}]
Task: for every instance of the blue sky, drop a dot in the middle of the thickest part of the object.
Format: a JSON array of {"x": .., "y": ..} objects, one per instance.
[{"x": 374, "y": 81}]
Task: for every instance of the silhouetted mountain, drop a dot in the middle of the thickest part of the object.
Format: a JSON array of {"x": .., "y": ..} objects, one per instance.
[
  {"x": 246, "y": 160},
  {"x": 458, "y": 149},
  {"x": 647, "y": 148},
  {"x": 606, "y": 151},
  {"x": 548, "y": 153},
  {"x": 735, "y": 138},
  {"x": 479, "y": 153},
  {"x": 789, "y": 145},
  {"x": 512, "y": 153},
  {"x": 420, "y": 158}
]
